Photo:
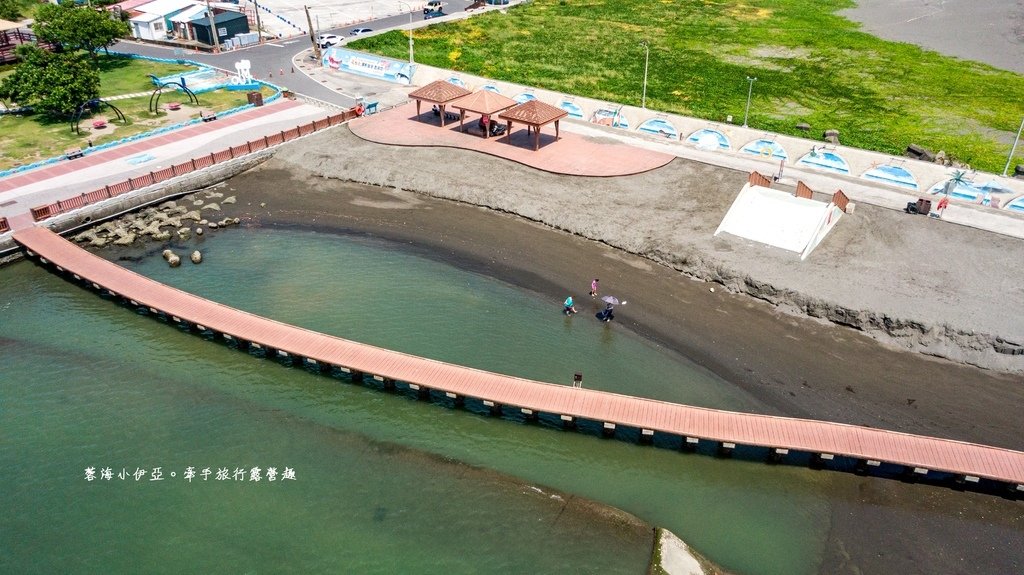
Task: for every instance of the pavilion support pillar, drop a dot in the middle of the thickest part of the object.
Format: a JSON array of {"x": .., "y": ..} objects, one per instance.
[
  {"x": 556, "y": 130},
  {"x": 418, "y": 102}
]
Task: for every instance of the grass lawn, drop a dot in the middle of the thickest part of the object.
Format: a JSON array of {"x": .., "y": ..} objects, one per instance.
[
  {"x": 119, "y": 75},
  {"x": 811, "y": 66},
  {"x": 27, "y": 139}
]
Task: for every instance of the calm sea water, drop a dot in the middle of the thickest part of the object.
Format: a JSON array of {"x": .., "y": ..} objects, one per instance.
[{"x": 382, "y": 483}]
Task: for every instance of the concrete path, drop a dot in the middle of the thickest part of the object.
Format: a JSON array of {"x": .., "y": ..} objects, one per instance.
[{"x": 22, "y": 192}]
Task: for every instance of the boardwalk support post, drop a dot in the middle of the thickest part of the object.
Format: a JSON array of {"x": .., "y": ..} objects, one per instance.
[
  {"x": 529, "y": 414},
  {"x": 457, "y": 400},
  {"x": 608, "y": 429},
  {"x": 389, "y": 385},
  {"x": 818, "y": 460},
  {"x": 777, "y": 454},
  {"x": 646, "y": 436},
  {"x": 690, "y": 444},
  {"x": 357, "y": 376},
  {"x": 568, "y": 422},
  {"x": 494, "y": 408},
  {"x": 725, "y": 449}
]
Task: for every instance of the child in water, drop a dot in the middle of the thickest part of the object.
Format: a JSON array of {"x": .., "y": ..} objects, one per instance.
[{"x": 568, "y": 308}]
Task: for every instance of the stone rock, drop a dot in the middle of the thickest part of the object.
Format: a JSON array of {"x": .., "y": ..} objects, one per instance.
[
  {"x": 211, "y": 206},
  {"x": 197, "y": 202},
  {"x": 236, "y": 220},
  {"x": 919, "y": 153},
  {"x": 214, "y": 195},
  {"x": 174, "y": 261},
  {"x": 196, "y": 257},
  {"x": 193, "y": 215},
  {"x": 86, "y": 236},
  {"x": 213, "y": 225},
  {"x": 125, "y": 240},
  {"x": 167, "y": 254},
  {"x": 199, "y": 231},
  {"x": 168, "y": 205},
  {"x": 162, "y": 236},
  {"x": 98, "y": 242},
  {"x": 263, "y": 204},
  {"x": 831, "y": 136},
  {"x": 203, "y": 222},
  {"x": 940, "y": 158},
  {"x": 803, "y": 127},
  {"x": 228, "y": 200},
  {"x": 184, "y": 233},
  {"x": 1018, "y": 171}
]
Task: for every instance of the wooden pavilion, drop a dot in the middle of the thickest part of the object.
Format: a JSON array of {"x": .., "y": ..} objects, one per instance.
[
  {"x": 439, "y": 93},
  {"x": 535, "y": 114},
  {"x": 483, "y": 102}
]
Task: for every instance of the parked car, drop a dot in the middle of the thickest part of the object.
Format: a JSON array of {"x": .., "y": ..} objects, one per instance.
[
  {"x": 433, "y": 6},
  {"x": 359, "y": 31},
  {"x": 433, "y": 14},
  {"x": 327, "y": 40}
]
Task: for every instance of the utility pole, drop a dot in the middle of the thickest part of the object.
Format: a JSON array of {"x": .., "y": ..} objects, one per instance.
[
  {"x": 749, "y": 92},
  {"x": 647, "y": 58},
  {"x": 259, "y": 25},
  {"x": 312, "y": 37},
  {"x": 1014, "y": 148},
  {"x": 214, "y": 38},
  {"x": 409, "y": 6}
]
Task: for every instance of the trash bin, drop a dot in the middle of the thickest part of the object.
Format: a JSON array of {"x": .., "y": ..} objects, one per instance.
[
  {"x": 255, "y": 98},
  {"x": 924, "y": 206}
]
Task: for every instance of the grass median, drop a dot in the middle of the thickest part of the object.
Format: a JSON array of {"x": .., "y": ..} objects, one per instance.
[{"x": 811, "y": 65}]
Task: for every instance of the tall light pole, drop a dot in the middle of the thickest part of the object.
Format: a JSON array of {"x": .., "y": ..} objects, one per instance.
[
  {"x": 647, "y": 59},
  {"x": 1014, "y": 148},
  {"x": 750, "y": 91},
  {"x": 407, "y": 5}
]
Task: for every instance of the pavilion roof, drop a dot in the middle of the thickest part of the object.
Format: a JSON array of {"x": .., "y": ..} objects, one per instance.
[
  {"x": 439, "y": 92},
  {"x": 6, "y": 25},
  {"x": 483, "y": 102},
  {"x": 534, "y": 112}
]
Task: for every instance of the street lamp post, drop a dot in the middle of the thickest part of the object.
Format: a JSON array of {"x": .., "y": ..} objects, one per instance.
[
  {"x": 750, "y": 91},
  {"x": 1014, "y": 148},
  {"x": 407, "y": 5},
  {"x": 647, "y": 59}
]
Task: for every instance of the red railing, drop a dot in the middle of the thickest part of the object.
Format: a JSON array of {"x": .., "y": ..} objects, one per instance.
[
  {"x": 3, "y": 226},
  {"x": 840, "y": 200},
  {"x": 758, "y": 179},
  {"x": 803, "y": 191},
  {"x": 138, "y": 182}
]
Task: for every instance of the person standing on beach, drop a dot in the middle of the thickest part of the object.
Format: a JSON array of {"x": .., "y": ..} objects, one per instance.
[
  {"x": 593, "y": 288},
  {"x": 568, "y": 308}
]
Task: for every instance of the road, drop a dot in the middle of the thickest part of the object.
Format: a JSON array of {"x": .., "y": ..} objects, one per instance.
[{"x": 271, "y": 58}]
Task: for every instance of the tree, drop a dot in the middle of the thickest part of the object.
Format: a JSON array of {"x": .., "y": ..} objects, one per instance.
[
  {"x": 78, "y": 27},
  {"x": 51, "y": 83},
  {"x": 10, "y": 10}
]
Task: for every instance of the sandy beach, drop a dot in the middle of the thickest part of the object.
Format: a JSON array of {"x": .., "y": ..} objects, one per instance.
[{"x": 793, "y": 364}]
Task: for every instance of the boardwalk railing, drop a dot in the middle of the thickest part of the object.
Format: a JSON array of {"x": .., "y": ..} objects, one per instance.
[
  {"x": 4, "y": 226},
  {"x": 833, "y": 445},
  {"x": 155, "y": 177}
]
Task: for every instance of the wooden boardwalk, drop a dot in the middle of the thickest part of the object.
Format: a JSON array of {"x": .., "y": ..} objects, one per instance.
[{"x": 918, "y": 454}]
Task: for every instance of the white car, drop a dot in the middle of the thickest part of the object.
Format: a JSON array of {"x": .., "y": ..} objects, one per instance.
[
  {"x": 327, "y": 40},
  {"x": 433, "y": 6},
  {"x": 360, "y": 31}
]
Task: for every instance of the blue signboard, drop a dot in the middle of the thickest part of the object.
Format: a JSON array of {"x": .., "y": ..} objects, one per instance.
[{"x": 368, "y": 65}]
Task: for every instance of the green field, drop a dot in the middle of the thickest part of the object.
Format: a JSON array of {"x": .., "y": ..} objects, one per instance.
[
  {"x": 811, "y": 66},
  {"x": 27, "y": 139}
]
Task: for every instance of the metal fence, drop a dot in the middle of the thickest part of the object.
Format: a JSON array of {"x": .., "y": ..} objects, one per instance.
[{"x": 155, "y": 177}]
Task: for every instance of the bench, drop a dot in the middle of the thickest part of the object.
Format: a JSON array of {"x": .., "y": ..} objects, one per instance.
[
  {"x": 99, "y": 123},
  {"x": 207, "y": 115},
  {"x": 174, "y": 106},
  {"x": 72, "y": 153},
  {"x": 371, "y": 108}
]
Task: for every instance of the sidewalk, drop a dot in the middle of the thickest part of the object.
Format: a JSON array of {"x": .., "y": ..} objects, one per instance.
[{"x": 70, "y": 178}]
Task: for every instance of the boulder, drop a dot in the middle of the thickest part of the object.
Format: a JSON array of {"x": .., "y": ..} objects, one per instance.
[
  {"x": 125, "y": 240},
  {"x": 211, "y": 206},
  {"x": 199, "y": 231},
  {"x": 803, "y": 127},
  {"x": 214, "y": 195},
  {"x": 212, "y": 225},
  {"x": 193, "y": 215},
  {"x": 184, "y": 233},
  {"x": 228, "y": 200},
  {"x": 1018, "y": 171},
  {"x": 168, "y": 205},
  {"x": 174, "y": 261},
  {"x": 831, "y": 136},
  {"x": 167, "y": 254},
  {"x": 197, "y": 202},
  {"x": 196, "y": 257},
  {"x": 919, "y": 153}
]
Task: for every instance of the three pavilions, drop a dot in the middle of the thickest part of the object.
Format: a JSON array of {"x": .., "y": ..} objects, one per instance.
[{"x": 534, "y": 113}]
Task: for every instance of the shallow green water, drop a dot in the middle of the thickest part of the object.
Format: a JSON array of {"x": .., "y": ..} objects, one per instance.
[{"x": 89, "y": 383}]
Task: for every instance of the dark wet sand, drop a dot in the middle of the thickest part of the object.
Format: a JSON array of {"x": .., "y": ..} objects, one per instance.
[{"x": 794, "y": 366}]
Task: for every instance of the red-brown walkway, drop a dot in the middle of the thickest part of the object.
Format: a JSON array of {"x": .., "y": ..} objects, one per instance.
[
  {"x": 816, "y": 437},
  {"x": 572, "y": 154}
]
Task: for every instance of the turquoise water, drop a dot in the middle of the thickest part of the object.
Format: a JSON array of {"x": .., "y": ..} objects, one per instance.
[{"x": 383, "y": 483}]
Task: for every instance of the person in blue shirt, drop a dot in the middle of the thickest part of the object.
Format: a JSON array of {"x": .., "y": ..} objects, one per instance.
[{"x": 568, "y": 308}]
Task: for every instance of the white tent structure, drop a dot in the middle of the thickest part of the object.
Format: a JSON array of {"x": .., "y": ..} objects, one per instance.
[{"x": 794, "y": 223}]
